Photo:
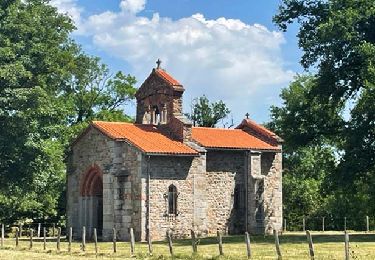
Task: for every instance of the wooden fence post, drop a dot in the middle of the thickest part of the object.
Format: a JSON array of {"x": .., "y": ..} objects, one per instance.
[
  {"x": 17, "y": 234},
  {"x": 39, "y": 225},
  {"x": 132, "y": 242},
  {"x": 277, "y": 244},
  {"x": 346, "y": 246},
  {"x": 170, "y": 243},
  {"x": 367, "y": 224},
  {"x": 304, "y": 224},
  {"x": 323, "y": 228},
  {"x": 311, "y": 245},
  {"x": 114, "y": 240},
  {"x": 70, "y": 234},
  {"x": 58, "y": 239},
  {"x": 149, "y": 242},
  {"x": 96, "y": 242},
  {"x": 2, "y": 235},
  {"x": 220, "y": 241},
  {"x": 20, "y": 232},
  {"x": 193, "y": 241},
  {"x": 247, "y": 239},
  {"x": 53, "y": 230},
  {"x": 344, "y": 223},
  {"x": 83, "y": 238},
  {"x": 44, "y": 238},
  {"x": 31, "y": 238}
]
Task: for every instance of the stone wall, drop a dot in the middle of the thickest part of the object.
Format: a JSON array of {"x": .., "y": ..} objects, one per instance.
[
  {"x": 226, "y": 184},
  {"x": 120, "y": 164},
  {"x": 264, "y": 192},
  {"x": 182, "y": 172},
  {"x": 179, "y": 128},
  {"x": 272, "y": 168},
  {"x": 127, "y": 193},
  {"x": 93, "y": 149}
]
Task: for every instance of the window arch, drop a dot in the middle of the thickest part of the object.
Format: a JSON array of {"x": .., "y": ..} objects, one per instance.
[{"x": 172, "y": 200}]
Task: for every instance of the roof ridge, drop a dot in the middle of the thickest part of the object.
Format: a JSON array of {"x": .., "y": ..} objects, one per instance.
[
  {"x": 112, "y": 122},
  {"x": 166, "y": 76},
  {"x": 216, "y": 128}
]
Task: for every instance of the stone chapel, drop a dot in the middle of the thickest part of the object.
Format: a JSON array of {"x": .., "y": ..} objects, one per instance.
[{"x": 162, "y": 173}]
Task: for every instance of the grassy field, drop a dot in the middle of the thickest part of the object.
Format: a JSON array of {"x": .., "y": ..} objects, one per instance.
[{"x": 329, "y": 245}]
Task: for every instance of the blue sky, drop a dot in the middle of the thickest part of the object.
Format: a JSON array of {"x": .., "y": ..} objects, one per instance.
[{"x": 225, "y": 49}]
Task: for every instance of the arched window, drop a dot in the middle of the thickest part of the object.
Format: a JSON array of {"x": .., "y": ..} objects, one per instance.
[{"x": 172, "y": 200}]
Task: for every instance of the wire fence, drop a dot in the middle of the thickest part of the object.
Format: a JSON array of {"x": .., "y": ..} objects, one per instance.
[
  {"x": 330, "y": 223},
  {"x": 195, "y": 241},
  {"x": 24, "y": 230}
]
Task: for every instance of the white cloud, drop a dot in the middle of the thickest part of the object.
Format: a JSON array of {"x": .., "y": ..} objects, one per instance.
[
  {"x": 223, "y": 58},
  {"x": 132, "y": 6}
]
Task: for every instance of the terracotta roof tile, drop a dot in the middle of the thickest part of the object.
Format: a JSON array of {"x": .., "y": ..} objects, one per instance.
[
  {"x": 229, "y": 138},
  {"x": 259, "y": 129},
  {"x": 167, "y": 77},
  {"x": 145, "y": 137}
]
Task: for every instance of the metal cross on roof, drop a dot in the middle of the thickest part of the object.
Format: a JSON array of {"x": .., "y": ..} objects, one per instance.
[
  {"x": 247, "y": 115},
  {"x": 158, "y": 62}
]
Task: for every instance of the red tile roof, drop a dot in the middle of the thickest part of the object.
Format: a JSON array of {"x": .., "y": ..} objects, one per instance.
[
  {"x": 167, "y": 77},
  {"x": 259, "y": 129},
  {"x": 145, "y": 137},
  {"x": 150, "y": 140},
  {"x": 229, "y": 139}
]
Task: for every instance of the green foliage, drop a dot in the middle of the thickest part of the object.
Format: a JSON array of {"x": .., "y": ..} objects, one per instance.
[
  {"x": 306, "y": 183},
  {"x": 91, "y": 89},
  {"x": 46, "y": 84},
  {"x": 208, "y": 114},
  {"x": 335, "y": 107},
  {"x": 34, "y": 51},
  {"x": 337, "y": 37},
  {"x": 303, "y": 119}
]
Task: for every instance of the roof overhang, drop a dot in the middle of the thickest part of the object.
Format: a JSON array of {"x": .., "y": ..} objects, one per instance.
[{"x": 241, "y": 149}]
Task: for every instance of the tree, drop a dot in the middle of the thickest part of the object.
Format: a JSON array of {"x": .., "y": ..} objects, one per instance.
[
  {"x": 92, "y": 89},
  {"x": 47, "y": 84},
  {"x": 93, "y": 93},
  {"x": 308, "y": 158},
  {"x": 208, "y": 114},
  {"x": 338, "y": 43},
  {"x": 337, "y": 38},
  {"x": 34, "y": 52},
  {"x": 301, "y": 115}
]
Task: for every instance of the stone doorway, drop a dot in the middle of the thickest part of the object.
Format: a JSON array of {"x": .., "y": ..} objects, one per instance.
[{"x": 91, "y": 210}]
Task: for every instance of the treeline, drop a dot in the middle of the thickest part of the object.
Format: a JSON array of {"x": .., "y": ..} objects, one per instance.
[
  {"x": 328, "y": 114},
  {"x": 49, "y": 90}
]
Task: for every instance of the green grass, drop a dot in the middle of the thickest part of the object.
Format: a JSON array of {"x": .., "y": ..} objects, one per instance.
[{"x": 328, "y": 245}]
